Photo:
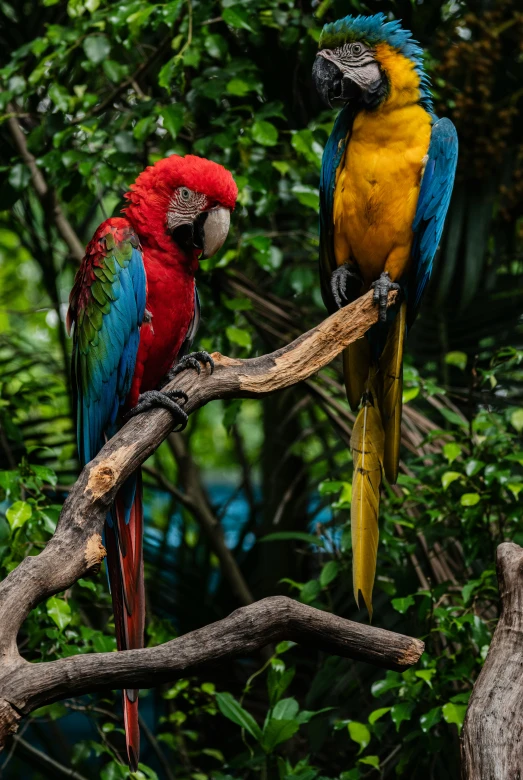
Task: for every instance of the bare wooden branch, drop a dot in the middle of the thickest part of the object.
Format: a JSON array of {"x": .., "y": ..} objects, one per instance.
[
  {"x": 491, "y": 739},
  {"x": 76, "y": 550},
  {"x": 246, "y": 630}
]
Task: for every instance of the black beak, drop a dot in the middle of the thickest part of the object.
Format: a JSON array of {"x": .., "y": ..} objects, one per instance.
[
  {"x": 191, "y": 235},
  {"x": 327, "y": 79},
  {"x": 333, "y": 89}
]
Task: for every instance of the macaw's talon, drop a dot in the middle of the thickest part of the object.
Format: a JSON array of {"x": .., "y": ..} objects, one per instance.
[
  {"x": 194, "y": 360},
  {"x": 343, "y": 277},
  {"x": 382, "y": 288},
  {"x": 156, "y": 399}
]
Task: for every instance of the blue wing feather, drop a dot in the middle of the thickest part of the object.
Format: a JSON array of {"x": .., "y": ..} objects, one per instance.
[
  {"x": 107, "y": 334},
  {"x": 433, "y": 203},
  {"x": 332, "y": 158}
]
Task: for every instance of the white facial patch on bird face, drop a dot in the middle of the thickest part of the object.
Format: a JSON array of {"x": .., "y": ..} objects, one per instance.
[
  {"x": 355, "y": 61},
  {"x": 184, "y": 206}
]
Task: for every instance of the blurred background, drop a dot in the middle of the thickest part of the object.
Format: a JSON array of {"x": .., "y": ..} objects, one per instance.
[{"x": 254, "y": 498}]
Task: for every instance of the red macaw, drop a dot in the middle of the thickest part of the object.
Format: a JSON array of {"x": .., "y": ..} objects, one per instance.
[{"x": 135, "y": 310}]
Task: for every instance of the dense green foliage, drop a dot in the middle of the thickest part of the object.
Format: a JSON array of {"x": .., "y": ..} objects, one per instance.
[{"x": 101, "y": 89}]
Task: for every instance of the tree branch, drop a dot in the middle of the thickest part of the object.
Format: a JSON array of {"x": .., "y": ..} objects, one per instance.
[
  {"x": 246, "y": 630},
  {"x": 76, "y": 549}
]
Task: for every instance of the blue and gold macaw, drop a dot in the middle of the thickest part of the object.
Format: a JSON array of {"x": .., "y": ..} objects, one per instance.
[{"x": 386, "y": 181}]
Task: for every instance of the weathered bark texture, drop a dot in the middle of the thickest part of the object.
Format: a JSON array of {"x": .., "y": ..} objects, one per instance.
[
  {"x": 76, "y": 551},
  {"x": 492, "y": 739}
]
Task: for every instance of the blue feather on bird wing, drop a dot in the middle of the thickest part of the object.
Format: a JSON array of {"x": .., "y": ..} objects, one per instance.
[
  {"x": 104, "y": 371},
  {"x": 331, "y": 160},
  {"x": 433, "y": 203}
]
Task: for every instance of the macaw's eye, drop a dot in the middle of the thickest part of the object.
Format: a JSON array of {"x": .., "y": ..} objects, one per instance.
[
  {"x": 357, "y": 48},
  {"x": 185, "y": 193}
]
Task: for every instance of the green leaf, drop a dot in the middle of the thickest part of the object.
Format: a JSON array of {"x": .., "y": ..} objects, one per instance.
[
  {"x": 430, "y": 719},
  {"x": 264, "y": 133},
  {"x": 402, "y": 604},
  {"x": 281, "y": 166},
  {"x": 470, "y": 499},
  {"x": 124, "y": 142},
  {"x": 239, "y": 87},
  {"x": 286, "y": 709},
  {"x": 52, "y": 711},
  {"x": 451, "y": 451},
  {"x": 239, "y": 336},
  {"x": 114, "y": 71},
  {"x": 232, "y": 710},
  {"x": 454, "y": 713},
  {"x": 329, "y": 573},
  {"x": 216, "y": 46},
  {"x": 401, "y": 712},
  {"x": 426, "y": 675},
  {"x": 458, "y": 359},
  {"x": 516, "y": 419},
  {"x": 377, "y": 714},
  {"x": 370, "y": 761},
  {"x": 359, "y": 733},
  {"x": 303, "y": 141},
  {"x": 97, "y": 48},
  {"x": 173, "y": 118},
  {"x": 452, "y": 417},
  {"x": 296, "y": 536},
  {"x": 409, "y": 394},
  {"x": 330, "y": 486},
  {"x": 472, "y": 467},
  {"x": 45, "y": 474},
  {"x": 236, "y": 16},
  {"x": 449, "y": 477},
  {"x": 469, "y": 589},
  {"x": 515, "y": 488},
  {"x": 307, "y": 196},
  {"x": 60, "y": 97},
  {"x": 278, "y": 731},
  {"x": 306, "y": 715},
  {"x": 18, "y": 514},
  {"x": 278, "y": 680},
  {"x": 59, "y": 611},
  {"x": 310, "y": 591},
  {"x": 391, "y": 681}
]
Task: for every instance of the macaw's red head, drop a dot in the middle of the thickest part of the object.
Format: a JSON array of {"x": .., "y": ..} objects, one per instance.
[{"x": 187, "y": 200}]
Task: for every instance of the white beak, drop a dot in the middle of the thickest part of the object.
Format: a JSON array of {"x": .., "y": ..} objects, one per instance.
[{"x": 215, "y": 230}]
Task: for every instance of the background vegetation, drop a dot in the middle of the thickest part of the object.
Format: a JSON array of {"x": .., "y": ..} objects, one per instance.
[{"x": 101, "y": 89}]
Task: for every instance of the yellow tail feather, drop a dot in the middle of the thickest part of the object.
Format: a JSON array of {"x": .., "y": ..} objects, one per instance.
[
  {"x": 356, "y": 362},
  {"x": 367, "y": 443},
  {"x": 391, "y": 382}
]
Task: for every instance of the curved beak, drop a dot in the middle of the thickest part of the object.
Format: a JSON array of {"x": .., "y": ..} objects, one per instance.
[
  {"x": 334, "y": 88},
  {"x": 327, "y": 79},
  {"x": 215, "y": 230},
  {"x": 207, "y": 233}
]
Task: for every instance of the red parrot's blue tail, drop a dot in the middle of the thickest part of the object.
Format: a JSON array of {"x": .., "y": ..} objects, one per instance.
[{"x": 124, "y": 536}]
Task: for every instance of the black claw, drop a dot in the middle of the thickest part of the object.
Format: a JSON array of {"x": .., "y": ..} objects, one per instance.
[
  {"x": 194, "y": 361},
  {"x": 346, "y": 283},
  {"x": 156, "y": 399},
  {"x": 381, "y": 288}
]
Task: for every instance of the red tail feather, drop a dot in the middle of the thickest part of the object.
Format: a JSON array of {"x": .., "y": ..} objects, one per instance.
[{"x": 125, "y": 565}]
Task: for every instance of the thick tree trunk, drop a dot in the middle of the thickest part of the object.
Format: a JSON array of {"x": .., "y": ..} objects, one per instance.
[{"x": 492, "y": 740}]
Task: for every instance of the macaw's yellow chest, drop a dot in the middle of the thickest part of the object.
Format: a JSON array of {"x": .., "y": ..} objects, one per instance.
[{"x": 377, "y": 189}]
